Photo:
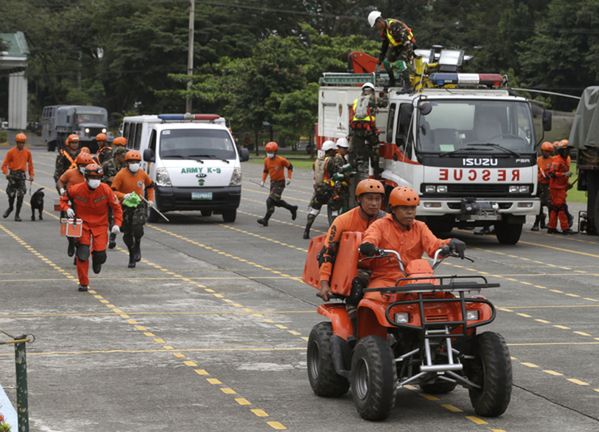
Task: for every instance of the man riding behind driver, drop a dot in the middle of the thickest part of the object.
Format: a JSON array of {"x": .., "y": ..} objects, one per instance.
[
  {"x": 370, "y": 195},
  {"x": 401, "y": 232}
]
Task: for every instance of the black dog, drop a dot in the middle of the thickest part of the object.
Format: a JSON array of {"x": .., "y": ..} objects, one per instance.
[{"x": 37, "y": 203}]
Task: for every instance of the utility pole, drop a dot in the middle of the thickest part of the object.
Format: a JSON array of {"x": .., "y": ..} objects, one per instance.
[{"x": 192, "y": 8}]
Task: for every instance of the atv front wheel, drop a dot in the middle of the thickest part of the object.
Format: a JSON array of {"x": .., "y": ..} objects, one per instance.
[
  {"x": 373, "y": 378},
  {"x": 321, "y": 371},
  {"x": 492, "y": 370}
]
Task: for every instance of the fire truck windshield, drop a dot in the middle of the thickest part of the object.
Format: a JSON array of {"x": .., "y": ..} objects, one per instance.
[{"x": 476, "y": 126}]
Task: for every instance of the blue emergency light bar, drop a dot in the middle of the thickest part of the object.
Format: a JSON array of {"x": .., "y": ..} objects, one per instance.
[
  {"x": 490, "y": 80},
  {"x": 188, "y": 116}
]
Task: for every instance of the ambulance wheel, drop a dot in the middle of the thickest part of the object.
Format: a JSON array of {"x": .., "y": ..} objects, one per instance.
[
  {"x": 508, "y": 233},
  {"x": 230, "y": 215},
  {"x": 321, "y": 372}
]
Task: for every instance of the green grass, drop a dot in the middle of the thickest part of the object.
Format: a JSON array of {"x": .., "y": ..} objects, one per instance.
[
  {"x": 296, "y": 162},
  {"x": 574, "y": 195}
]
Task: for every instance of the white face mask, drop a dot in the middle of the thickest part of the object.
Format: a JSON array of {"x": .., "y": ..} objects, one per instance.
[
  {"x": 270, "y": 155},
  {"x": 133, "y": 167},
  {"x": 93, "y": 183}
]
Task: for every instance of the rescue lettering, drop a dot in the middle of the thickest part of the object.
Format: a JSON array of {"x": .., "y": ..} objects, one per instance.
[{"x": 479, "y": 175}]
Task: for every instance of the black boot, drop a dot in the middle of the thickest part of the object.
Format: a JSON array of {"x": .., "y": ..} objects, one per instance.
[
  {"x": 407, "y": 85},
  {"x": 18, "y": 210},
  {"x": 11, "y": 203},
  {"x": 535, "y": 226},
  {"x": 82, "y": 288},
  {"x": 71, "y": 247},
  {"x": 137, "y": 250},
  {"x": 311, "y": 219},
  {"x": 264, "y": 220},
  {"x": 291, "y": 208},
  {"x": 131, "y": 258},
  {"x": 112, "y": 241},
  {"x": 543, "y": 226}
]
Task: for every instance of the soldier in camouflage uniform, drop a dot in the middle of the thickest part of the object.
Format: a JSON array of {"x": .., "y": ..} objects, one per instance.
[
  {"x": 323, "y": 187},
  {"x": 111, "y": 167},
  {"x": 364, "y": 148},
  {"x": 16, "y": 162},
  {"x": 104, "y": 150},
  {"x": 66, "y": 157},
  {"x": 339, "y": 202}
]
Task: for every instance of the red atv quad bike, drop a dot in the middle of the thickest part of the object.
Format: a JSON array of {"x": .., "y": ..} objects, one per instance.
[{"x": 422, "y": 331}]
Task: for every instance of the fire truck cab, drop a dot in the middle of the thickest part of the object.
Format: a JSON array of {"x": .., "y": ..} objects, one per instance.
[{"x": 463, "y": 141}]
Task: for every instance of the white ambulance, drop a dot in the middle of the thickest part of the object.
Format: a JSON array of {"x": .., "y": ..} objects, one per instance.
[{"x": 192, "y": 159}]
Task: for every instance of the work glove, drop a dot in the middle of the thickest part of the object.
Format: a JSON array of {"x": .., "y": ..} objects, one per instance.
[
  {"x": 150, "y": 203},
  {"x": 115, "y": 230},
  {"x": 127, "y": 195},
  {"x": 288, "y": 182},
  {"x": 70, "y": 213},
  {"x": 262, "y": 183},
  {"x": 62, "y": 191},
  {"x": 369, "y": 250},
  {"x": 457, "y": 246}
]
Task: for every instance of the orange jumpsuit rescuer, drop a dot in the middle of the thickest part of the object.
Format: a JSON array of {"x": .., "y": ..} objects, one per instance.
[{"x": 90, "y": 202}]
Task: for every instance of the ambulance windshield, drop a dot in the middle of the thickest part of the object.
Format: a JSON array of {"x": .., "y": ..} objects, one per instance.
[
  {"x": 196, "y": 144},
  {"x": 476, "y": 126}
]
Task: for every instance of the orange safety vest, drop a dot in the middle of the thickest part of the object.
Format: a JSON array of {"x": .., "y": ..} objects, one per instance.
[
  {"x": 390, "y": 37},
  {"x": 70, "y": 159}
]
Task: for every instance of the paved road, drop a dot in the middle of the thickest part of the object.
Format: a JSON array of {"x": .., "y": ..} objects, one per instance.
[{"x": 209, "y": 331}]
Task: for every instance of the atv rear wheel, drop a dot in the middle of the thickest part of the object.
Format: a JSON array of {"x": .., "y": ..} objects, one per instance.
[
  {"x": 438, "y": 387},
  {"x": 373, "y": 378},
  {"x": 321, "y": 371},
  {"x": 492, "y": 370}
]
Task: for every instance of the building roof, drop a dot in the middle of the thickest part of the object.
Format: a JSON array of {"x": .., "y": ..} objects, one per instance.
[{"x": 13, "y": 50}]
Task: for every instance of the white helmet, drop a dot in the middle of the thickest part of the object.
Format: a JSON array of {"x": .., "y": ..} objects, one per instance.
[
  {"x": 328, "y": 145},
  {"x": 368, "y": 85},
  {"x": 342, "y": 142},
  {"x": 373, "y": 16}
]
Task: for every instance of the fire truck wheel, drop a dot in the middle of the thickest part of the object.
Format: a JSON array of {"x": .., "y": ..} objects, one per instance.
[
  {"x": 321, "y": 371},
  {"x": 373, "y": 378},
  {"x": 508, "y": 233},
  {"x": 438, "y": 387},
  {"x": 492, "y": 370}
]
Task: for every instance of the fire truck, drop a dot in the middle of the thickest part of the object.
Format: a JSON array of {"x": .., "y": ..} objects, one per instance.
[{"x": 464, "y": 141}]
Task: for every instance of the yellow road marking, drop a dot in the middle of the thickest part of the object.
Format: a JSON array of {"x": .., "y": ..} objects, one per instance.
[
  {"x": 476, "y": 420},
  {"x": 577, "y": 381},
  {"x": 451, "y": 408},
  {"x": 179, "y": 355},
  {"x": 560, "y": 249},
  {"x": 276, "y": 425},
  {"x": 562, "y": 327},
  {"x": 259, "y": 412},
  {"x": 552, "y": 372},
  {"x": 190, "y": 363},
  {"x": 530, "y": 365},
  {"x": 213, "y": 381},
  {"x": 542, "y": 321},
  {"x": 242, "y": 401},
  {"x": 581, "y": 333},
  {"x": 228, "y": 390},
  {"x": 201, "y": 372},
  {"x": 429, "y": 397}
]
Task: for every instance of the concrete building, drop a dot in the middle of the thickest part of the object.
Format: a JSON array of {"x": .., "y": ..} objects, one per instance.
[{"x": 13, "y": 62}]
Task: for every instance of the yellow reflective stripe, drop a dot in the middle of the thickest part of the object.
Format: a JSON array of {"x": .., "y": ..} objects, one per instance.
[{"x": 368, "y": 118}]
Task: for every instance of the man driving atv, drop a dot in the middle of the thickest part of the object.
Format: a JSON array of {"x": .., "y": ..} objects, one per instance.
[
  {"x": 369, "y": 194},
  {"x": 401, "y": 232}
]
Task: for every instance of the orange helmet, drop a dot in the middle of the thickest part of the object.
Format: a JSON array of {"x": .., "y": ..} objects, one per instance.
[
  {"x": 72, "y": 138},
  {"x": 94, "y": 170},
  {"x": 370, "y": 186},
  {"x": 101, "y": 137},
  {"x": 120, "y": 141},
  {"x": 85, "y": 150},
  {"x": 271, "y": 147},
  {"x": 403, "y": 196},
  {"x": 133, "y": 155},
  {"x": 21, "y": 137},
  {"x": 84, "y": 159},
  {"x": 547, "y": 147}
]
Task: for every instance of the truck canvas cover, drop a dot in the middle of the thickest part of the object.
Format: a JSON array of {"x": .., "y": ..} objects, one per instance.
[{"x": 585, "y": 130}]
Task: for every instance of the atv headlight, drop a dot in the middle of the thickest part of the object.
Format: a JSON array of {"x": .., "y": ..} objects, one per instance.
[
  {"x": 236, "y": 177},
  {"x": 472, "y": 315},
  {"x": 402, "y": 318},
  {"x": 162, "y": 177}
]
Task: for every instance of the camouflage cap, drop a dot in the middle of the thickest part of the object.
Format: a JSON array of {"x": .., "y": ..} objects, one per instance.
[{"x": 120, "y": 150}]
